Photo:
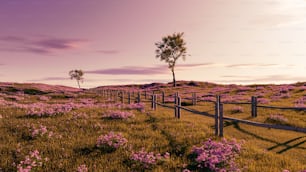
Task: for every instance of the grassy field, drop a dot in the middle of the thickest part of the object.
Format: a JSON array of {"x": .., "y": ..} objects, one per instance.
[{"x": 63, "y": 125}]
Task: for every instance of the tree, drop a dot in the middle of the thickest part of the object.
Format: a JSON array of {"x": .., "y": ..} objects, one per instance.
[
  {"x": 77, "y": 75},
  {"x": 170, "y": 49}
]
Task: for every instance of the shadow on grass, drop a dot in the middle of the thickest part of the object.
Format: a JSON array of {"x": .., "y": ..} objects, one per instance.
[
  {"x": 25, "y": 116},
  {"x": 26, "y": 137},
  {"x": 193, "y": 166},
  {"x": 230, "y": 123},
  {"x": 135, "y": 166},
  {"x": 151, "y": 119},
  {"x": 288, "y": 147},
  {"x": 175, "y": 147},
  {"x": 84, "y": 151},
  {"x": 186, "y": 104}
]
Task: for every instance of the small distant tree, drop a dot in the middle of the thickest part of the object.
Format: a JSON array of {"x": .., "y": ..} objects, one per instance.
[
  {"x": 77, "y": 75},
  {"x": 170, "y": 49}
]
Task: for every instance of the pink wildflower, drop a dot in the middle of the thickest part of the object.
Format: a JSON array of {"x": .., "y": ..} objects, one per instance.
[
  {"x": 147, "y": 159},
  {"x": 118, "y": 115},
  {"x": 82, "y": 168},
  {"x": 217, "y": 156},
  {"x": 111, "y": 140}
]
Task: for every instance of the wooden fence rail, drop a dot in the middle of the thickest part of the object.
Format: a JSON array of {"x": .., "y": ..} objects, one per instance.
[
  {"x": 258, "y": 124},
  {"x": 218, "y": 115},
  {"x": 194, "y": 99}
]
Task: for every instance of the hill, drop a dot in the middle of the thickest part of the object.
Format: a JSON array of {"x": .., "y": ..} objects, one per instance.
[{"x": 57, "y": 128}]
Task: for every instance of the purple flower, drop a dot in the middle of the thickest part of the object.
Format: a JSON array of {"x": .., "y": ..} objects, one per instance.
[
  {"x": 277, "y": 119},
  {"x": 217, "y": 156},
  {"x": 118, "y": 115},
  {"x": 263, "y": 101},
  {"x": 82, "y": 168},
  {"x": 40, "y": 131},
  {"x": 147, "y": 159},
  {"x": 31, "y": 161},
  {"x": 42, "y": 109},
  {"x": 301, "y": 102},
  {"x": 138, "y": 106},
  {"x": 111, "y": 140}
]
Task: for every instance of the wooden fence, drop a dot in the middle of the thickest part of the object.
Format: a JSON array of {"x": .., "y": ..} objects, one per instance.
[{"x": 218, "y": 116}]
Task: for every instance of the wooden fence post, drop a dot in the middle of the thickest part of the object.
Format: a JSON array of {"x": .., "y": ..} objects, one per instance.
[
  {"x": 155, "y": 102},
  {"x": 163, "y": 97},
  {"x": 221, "y": 120},
  {"x": 129, "y": 98},
  {"x": 115, "y": 95},
  {"x": 217, "y": 105},
  {"x": 175, "y": 103},
  {"x": 178, "y": 107},
  {"x": 110, "y": 95},
  {"x": 152, "y": 101},
  {"x": 138, "y": 97},
  {"x": 122, "y": 97},
  {"x": 194, "y": 99},
  {"x": 254, "y": 106}
]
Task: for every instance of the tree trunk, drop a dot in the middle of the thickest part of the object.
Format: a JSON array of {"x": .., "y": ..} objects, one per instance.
[
  {"x": 173, "y": 75},
  {"x": 78, "y": 83}
]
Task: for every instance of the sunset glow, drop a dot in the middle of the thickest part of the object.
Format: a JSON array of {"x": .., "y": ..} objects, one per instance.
[{"x": 238, "y": 41}]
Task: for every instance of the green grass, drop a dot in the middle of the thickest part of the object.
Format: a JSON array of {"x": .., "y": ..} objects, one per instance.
[{"x": 74, "y": 140}]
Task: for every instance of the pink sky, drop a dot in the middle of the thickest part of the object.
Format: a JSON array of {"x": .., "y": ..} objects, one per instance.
[{"x": 237, "y": 41}]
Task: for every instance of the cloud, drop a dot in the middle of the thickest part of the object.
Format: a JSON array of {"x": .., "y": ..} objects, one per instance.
[
  {"x": 12, "y": 39},
  {"x": 27, "y": 49},
  {"x": 45, "y": 45},
  {"x": 234, "y": 76},
  {"x": 282, "y": 78},
  {"x": 261, "y": 79},
  {"x": 243, "y": 65},
  {"x": 108, "y": 51},
  {"x": 279, "y": 20},
  {"x": 50, "y": 79},
  {"x": 195, "y": 65},
  {"x": 282, "y": 13},
  {"x": 136, "y": 70},
  {"x": 131, "y": 70},
  {"x": 138, "y": 80},
  {"x": 60, "y": 43},
  {"x": 36, "y": 50}
]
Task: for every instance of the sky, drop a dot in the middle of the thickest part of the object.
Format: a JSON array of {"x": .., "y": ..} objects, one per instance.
[{"x": 228, "y": 42}]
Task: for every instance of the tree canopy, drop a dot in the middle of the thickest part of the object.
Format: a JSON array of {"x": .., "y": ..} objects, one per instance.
[
  {"x": 170, "y": 49},
  {"x": 77, "y": 75}
]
